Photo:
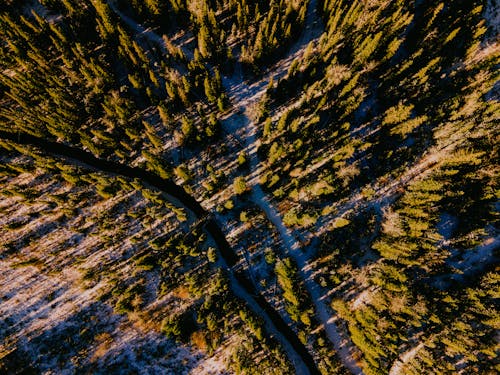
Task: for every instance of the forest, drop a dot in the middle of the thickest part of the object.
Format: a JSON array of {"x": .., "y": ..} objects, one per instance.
[{"x": 249, "y": 187}]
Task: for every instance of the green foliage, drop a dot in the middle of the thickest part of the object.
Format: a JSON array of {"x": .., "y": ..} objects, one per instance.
[
  {"x": 242, "y": 158},
  {"x": 293, "y": 293},
  {"x": 229, "y": 204},
  {"x": 293, "y": 218},
  {"x": 269, "y": 255},
  {"x": 183, "y": 173},
  {"x": 239, "y": 185},
  {"x": 178, "y": 326},
  {"x": 131, "y": 299},
  {"x": 212, "y": 255}
]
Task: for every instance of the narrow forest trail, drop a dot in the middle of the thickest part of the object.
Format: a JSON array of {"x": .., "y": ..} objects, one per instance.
[
  {"x": 138, "y": 28},
  {"x": 296, "y": 352},
  {"x": 244, "y": 95}
]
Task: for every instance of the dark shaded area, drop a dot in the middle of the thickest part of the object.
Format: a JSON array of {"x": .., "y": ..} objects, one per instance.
[{"x": 75, "y": 333}]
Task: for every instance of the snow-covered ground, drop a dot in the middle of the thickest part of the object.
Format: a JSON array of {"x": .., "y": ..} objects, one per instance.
[
  {"x": 52, "y": 319},
  {"x": 398, "y": 366},
  {"x": 468, "y": 262}
]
